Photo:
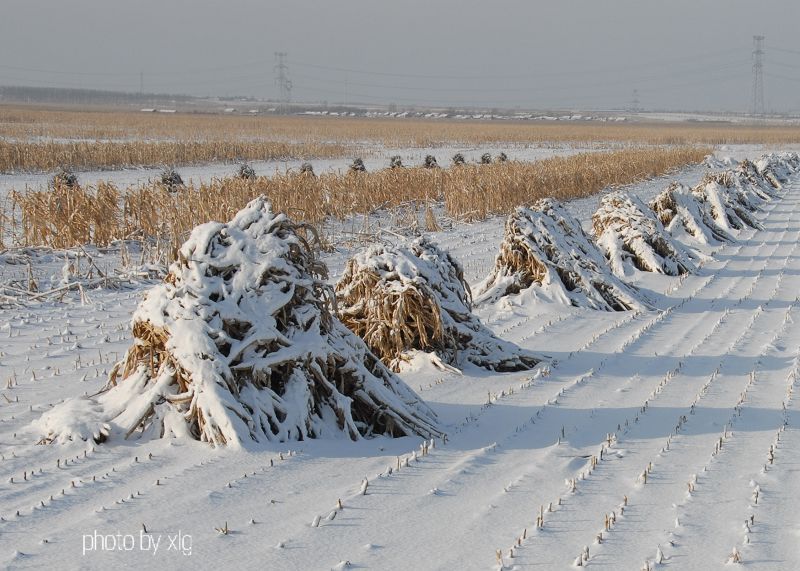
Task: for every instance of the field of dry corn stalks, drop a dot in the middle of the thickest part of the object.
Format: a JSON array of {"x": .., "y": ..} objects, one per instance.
[
  {"x": 64, "y": 217},
  {"x": 24, "y": 156},
  {"x": 33, "y": 138}
]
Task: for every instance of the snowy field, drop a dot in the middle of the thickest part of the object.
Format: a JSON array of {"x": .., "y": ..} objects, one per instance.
[
  {"x": 691, "y": 403},
  {"x": 375, "y": 158}
]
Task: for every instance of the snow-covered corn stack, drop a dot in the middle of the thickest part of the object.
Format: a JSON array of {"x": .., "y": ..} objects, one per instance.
[
  {"x": 239, "y": 344},
  {"x": 545, "y": 248},
  {"x": 633, "y": 238},
  {"x": 683, "y": 215},
  {"x": 405, "y": 299}
]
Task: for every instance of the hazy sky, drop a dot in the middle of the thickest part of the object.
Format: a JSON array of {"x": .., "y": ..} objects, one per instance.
[{"x": 678, "y": 54}]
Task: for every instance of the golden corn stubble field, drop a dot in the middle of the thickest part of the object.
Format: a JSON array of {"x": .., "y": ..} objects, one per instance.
[{"x": 41, "y": 139}]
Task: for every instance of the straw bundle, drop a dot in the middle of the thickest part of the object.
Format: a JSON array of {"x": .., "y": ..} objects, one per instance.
[
  {"x": 681, "y": 213},
  {"x": 632, "y": 237},
  {"x": 748, "y": 187},
  {"x": 65, "y": 178},
  {"x": 732, "y": 196},
  {"x": 239, "y": 345},
  {"x": 171, "y": 179},
  {"x": 729, "y": 204},
  {"x": 778, "y": 167},
  {"x": 414, "y": 298},
  {"x": 545, "y": 248}
]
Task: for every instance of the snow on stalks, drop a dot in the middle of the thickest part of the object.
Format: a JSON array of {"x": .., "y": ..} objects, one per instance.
[
  {"x": 240, "y": 344},
  {"x": 402, "y": 299},
  {"x": 725, "y": 201},
  {"x": 681, "y": 214},
  {"x": 729, "y": 205},
  {"x": 732, "y": 197},
  {"x": 778, "y": 167},
  {"x": 631, "y": 235},
  {"x": 546, "y": 248}
]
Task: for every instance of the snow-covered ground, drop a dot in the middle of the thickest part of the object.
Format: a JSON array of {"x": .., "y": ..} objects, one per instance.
[
  {"x": 375, "y": 158},
  {"x": 697, "y": 393}
]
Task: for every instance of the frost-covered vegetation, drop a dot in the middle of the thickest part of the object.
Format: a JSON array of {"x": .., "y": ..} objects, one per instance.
[
  {"x": 239, "y": 344},
  {"x": 633, "y": 238},
  {"x": 408, "y": 298},
  {"x": 546, "y": 248}
]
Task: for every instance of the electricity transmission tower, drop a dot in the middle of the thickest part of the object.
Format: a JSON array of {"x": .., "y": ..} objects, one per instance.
[
  {"x": 758, "y": 76},
  {"x": 283, "y": 81},
  {"x": 635, "y": 103}
]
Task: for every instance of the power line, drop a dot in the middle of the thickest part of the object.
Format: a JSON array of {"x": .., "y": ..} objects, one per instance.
[
  {"x": 569, "y": 96},
  {"x": 706, "y": 72},
  {"x": 529, "y": 75},
  {"x": 649, "y": 78},
  {"x": 782, "y": 64},
  {"x": 779, "y": 76},
  {"x": 784, "y": 50},
  {"x": 260, "y": 62}
]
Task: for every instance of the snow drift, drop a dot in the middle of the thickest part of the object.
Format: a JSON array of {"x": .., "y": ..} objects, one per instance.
[
  {"x": 545, "y": 247},
  {"x": 683, "y": 215},
  {"x": 240, "y": 344},
  {"x": 631, "y": 236},
  {"x": 402, "y": 299}
]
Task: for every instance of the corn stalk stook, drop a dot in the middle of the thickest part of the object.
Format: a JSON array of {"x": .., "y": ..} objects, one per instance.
[
  {"x": 632, "y": 237},
  {"x": 682, "y": 214},
  {"x": 545, "y": 248},
  {"x": 413, "y": 297},
  {"x": 239, "y": 344},
  {"x": 732, "y": 196}
]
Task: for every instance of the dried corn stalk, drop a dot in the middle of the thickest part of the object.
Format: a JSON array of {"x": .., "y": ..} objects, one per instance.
[
  {"x": 239, "y": 345},
  {"x": 545, "y": 248},
  {"x": 731, "y": 209},
  {"x": 414, "y": 298},
  {"x": 778, "y": 167},
  {"x": 68, "y": 216},
  {"x": 631, "y": 236},
  {"x": 748, "y": 188},
  {"x": 682, "y": 214},
  {"x": 733, "y": 196}
]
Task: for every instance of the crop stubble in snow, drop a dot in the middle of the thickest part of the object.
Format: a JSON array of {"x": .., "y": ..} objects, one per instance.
[{"x": 719, "y": 363}]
